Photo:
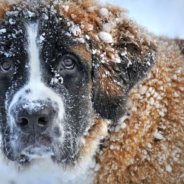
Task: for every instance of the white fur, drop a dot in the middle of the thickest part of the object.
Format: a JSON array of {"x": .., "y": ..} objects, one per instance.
[
  {"x": 39, "y": 91},
  {"x": 43, "y": 171}
]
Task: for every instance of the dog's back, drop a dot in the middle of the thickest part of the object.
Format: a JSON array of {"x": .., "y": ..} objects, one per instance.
[{"x": 147, "y": 145}]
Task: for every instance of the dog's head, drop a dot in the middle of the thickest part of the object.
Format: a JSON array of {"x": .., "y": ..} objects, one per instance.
[{"x": 64, "y": 70}]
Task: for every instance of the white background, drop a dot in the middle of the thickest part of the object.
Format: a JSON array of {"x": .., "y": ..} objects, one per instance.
[{"x": 161, "y": 17}]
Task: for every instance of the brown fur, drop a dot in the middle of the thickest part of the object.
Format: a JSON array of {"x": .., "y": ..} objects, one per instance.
[
  {"x": 137, "y": 156},
  {"x": 83, "y": 52},
  {"x": 133, "y": 154}
]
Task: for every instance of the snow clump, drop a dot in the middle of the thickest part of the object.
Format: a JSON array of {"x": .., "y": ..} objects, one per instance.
[
  {"x": 103, "y": 12},
  {"x": 107, "y": 27},
  {"x": 2, "y": 30},
  {"x": 168, "y": 168},
  {"x": 106, "y": 37},
  {"x": 157, "y": 135}
]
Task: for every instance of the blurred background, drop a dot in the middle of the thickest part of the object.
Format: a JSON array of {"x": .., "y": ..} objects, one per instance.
[{"x": 161, "y": 17}]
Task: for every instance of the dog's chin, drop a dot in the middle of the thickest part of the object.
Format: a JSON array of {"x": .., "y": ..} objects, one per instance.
[{"x": 36, "y": 151}]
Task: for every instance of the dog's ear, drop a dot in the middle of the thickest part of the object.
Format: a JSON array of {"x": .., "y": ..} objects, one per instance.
[
  {"x": 117, "y": 68},
  {"x": 122, "y": 51}
]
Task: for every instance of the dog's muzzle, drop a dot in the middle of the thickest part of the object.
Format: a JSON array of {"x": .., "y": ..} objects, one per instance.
[{"x": 34, "y": 116}]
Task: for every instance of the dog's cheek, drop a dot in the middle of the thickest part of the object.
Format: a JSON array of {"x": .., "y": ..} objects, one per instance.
[
  {"x": 109, "y": 107},
  {"x": 109, "y": 93}
]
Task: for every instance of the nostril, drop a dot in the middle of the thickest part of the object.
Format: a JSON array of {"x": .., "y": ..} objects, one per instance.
[
  {"x": 23, "y": 122},
  {"x": 42, "y": 121},
  {"x": 35, "y": 120}
]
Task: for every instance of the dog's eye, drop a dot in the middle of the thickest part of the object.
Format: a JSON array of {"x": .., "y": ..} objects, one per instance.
[
  {"x": 68, "y": 62},
  {"x": 6, "y": 66}
]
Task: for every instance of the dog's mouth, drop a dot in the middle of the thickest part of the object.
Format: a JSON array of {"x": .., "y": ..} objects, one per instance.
[
  {"x": 33, "y": 147},
  {"x": 37, "y": 151}
]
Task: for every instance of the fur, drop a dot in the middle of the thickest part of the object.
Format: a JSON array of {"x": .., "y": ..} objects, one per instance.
[{"x": 130, "y": 119}]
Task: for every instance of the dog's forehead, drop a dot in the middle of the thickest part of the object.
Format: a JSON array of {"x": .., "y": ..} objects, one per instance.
[{"x": 54, "y": 32}]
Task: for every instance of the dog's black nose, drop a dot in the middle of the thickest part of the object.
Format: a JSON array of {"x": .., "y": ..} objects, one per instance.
[{"x": 36, "y": 122}]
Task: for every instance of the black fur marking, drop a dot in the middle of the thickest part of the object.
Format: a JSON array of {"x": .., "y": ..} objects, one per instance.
[{"x": 73, "y": 87}]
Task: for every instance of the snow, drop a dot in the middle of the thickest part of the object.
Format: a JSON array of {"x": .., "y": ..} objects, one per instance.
[
  {"x": 11, "y": 21},
  {"x": 142, "y": 90},
  {"x": 81, "y": 40},
  {"x": 148, "y": 94},
  {"x": 107, "y": 27},
  {"x": 14, "y": 13},
  {"x": 43, "y": 172},
  {"x": 103, "y": 12},
  {"x": 91, "y": 9},
  {"x": 75, "y": 30},
  {"x": 123, "y": 125},
  {"x": 94, "y": 51},
  {"x": 30, "y": 14},
  {"x": 93, "y": 163},
  {"x": 157, "y": 135},
  {"x": 106, "y": 37},
  {"x": 41, "y": 38},
  {"x": 152, "y": 101},
  {"x": 2, "y": 30},
  {"x": 168, "y": 168},
  {"x": 56, "y": 80},
  {"x": 90, "y": 27},
  {"x": 97, "y": 167},
  {"x": 111, "y": 147},
  {"x": 124, "y": 53},
  {"x": 73, "y": 16},
  {"x": 117, "y": 60},
  {"x": 65, "y": 7},
  {"x": 45, "y": 16},
  {"x": 149, "y": 145},
  {"x": 87, "y": 37},
  {"x": 162, "y": 113}
]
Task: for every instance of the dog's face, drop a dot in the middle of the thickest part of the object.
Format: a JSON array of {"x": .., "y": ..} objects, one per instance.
[
  {"x": 46, "y": 87},
  {"x": 53, "y": 84}
]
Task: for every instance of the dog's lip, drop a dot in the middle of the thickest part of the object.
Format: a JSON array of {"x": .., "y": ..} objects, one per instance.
[{"x": 36, "y": 151}]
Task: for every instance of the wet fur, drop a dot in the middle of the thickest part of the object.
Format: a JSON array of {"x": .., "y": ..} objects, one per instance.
[{"x": 136, "y": 90}]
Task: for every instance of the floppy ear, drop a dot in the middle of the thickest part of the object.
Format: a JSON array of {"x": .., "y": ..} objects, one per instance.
[
  {"x": 122, "y": 66},
  {"x": 122, "y": 52}
]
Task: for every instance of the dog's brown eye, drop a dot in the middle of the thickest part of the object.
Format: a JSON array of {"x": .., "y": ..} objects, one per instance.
[
  {"x": 6, "y": 66},
  {"x": 68, "y": 62}
]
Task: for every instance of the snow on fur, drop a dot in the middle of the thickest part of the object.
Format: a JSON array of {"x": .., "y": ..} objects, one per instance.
[{"x": 148, "y": 145}]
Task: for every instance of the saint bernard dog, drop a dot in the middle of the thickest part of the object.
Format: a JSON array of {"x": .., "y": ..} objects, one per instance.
[{"x": 90, "y": 93}]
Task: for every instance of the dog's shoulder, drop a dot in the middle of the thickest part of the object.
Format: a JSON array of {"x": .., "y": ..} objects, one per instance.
[{"x": 147, "y": 144}]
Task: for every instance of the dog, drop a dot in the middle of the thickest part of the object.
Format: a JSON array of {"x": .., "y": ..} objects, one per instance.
[{"x": 90, "y": 92}]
